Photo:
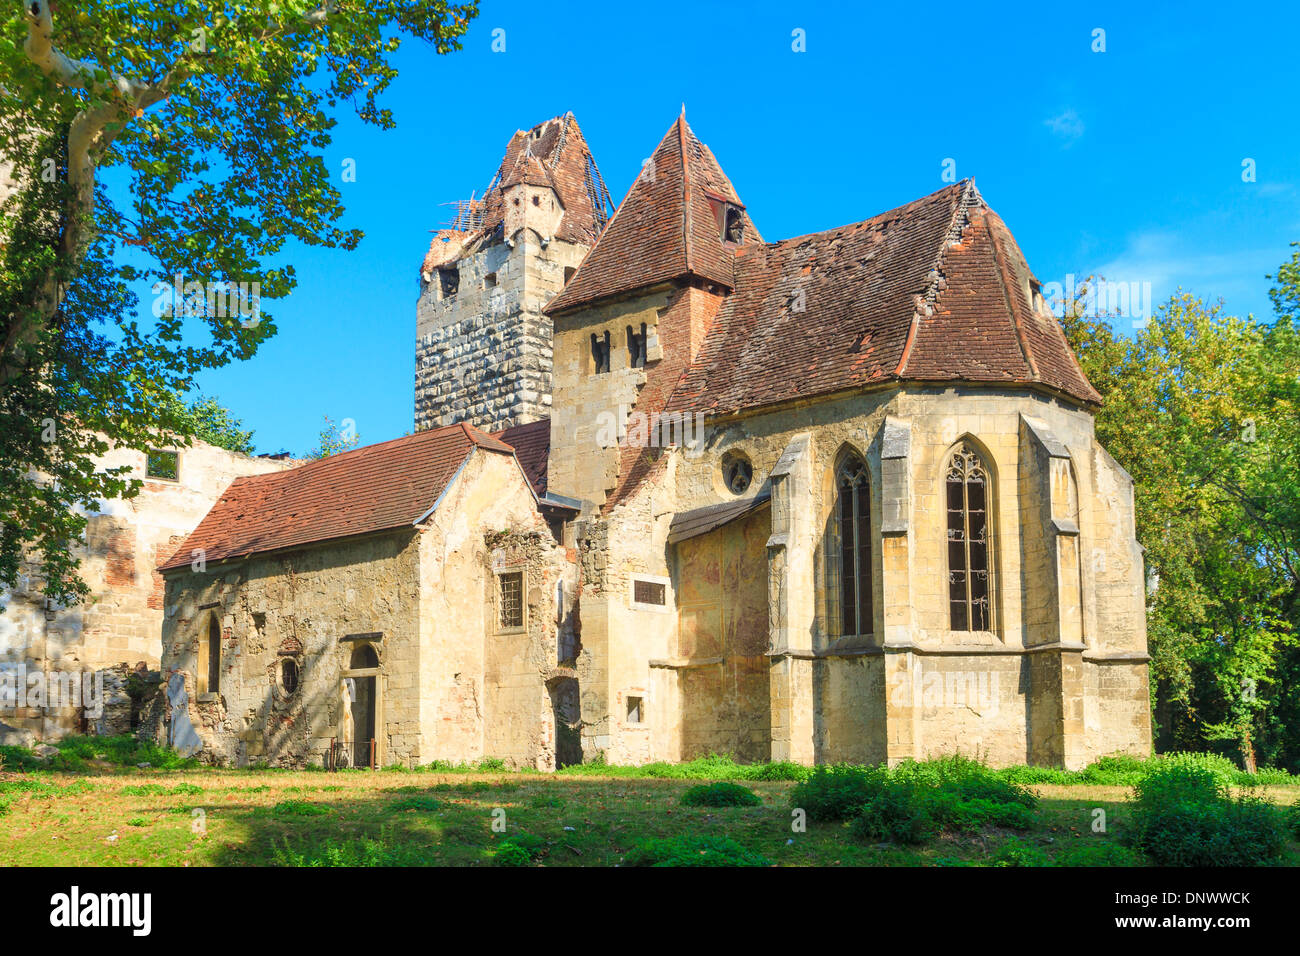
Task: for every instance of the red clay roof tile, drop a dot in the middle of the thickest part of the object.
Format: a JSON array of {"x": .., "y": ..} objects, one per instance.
[
  {"x": 667, "y": 227},
  {"x": 376, "y": 488}
]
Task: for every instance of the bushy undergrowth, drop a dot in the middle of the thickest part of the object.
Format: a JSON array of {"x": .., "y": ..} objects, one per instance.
[
  {"x": 296, "y": 808},
  {"x": 419, "y": 802},
  {"x": 357, "y": 852},
  {"x": 712, "y": 767},
  {"x": 693, "y": 851},
  {"x": 1122, "y": 771},
  {"x": 1184, "y": 815},
  {"x": 916, "y": 800},
  {"x": 76, "y": 755},
  {"x": 518, "y": 850},
  {"x": 721, "y": 794}
]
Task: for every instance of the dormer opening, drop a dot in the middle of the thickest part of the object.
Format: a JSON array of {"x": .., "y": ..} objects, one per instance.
[{"x": 733, "y": 224}]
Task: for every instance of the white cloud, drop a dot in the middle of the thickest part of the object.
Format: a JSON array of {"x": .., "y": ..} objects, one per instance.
[{"x": 1066, "y": 126}]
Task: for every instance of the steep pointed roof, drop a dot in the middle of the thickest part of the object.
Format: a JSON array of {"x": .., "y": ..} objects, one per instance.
[
  {"x": 668, "y": 227},
  {"x": 379, "y": 487},
  {"x": 553, "y": 153},
  {"x": 935, "y": 290},
  {"x": 556, "y": 154}
]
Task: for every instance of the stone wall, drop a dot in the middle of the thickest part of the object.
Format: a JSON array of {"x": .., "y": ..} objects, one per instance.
[
  {"x": 312, "y": 606},
  {"x": 120, "y": 622},
  {"x": 483, "y": 353},
  {"x": 1061, "y": 677},
  {"x": 486, "y": 690},
  {"x": 451, "y": 684}
]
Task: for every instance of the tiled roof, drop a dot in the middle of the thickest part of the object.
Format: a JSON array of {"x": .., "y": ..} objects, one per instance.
[
  {"x": 553, "y": 153},
  {"x": 692, "y": 524},
  {"x": 667, "y": 227},
  {"x": 376, "y": 488},
  {"x": 935, "y": 290},
  {"x": 532, "y": 445}
]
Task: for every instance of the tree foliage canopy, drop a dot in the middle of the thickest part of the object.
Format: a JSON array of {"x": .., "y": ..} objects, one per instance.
[
  {"x": 1203, "y": 409},
  {"x": 216, "y": 116}
]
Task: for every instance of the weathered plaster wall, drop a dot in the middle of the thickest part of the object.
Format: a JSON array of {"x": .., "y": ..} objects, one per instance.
[
  {"x": 722, "y": 641},
  {"x": 305, "y": 604},
  {"x": 485, "y": 690},
  {"x": 121, "y": 620}
]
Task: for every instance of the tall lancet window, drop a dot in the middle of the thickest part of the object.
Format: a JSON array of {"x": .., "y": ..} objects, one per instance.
[
  {"x": 848, "y": 551},
  {"x": 970, "y": 586}
]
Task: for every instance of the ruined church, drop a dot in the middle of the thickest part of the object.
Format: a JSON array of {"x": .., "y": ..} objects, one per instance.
[{"x": 675, "y": 489}]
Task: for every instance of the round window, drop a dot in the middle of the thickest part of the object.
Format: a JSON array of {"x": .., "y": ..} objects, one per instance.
[
  {"x": 289, "y": 676},
  {"x": 737, "y": 472}
]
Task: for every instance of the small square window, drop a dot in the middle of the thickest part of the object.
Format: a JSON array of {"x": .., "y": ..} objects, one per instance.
[
  {"x": 511, "y": 603},
  {"x": 649, "y": 592},
  {"x": 163, "y": 464},
  {"x": 449, "y": 279},
  {"x": 636, "y": 710}
]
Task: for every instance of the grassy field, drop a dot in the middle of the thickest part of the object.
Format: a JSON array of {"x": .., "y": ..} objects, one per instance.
[{"x": 106, "y": 815}]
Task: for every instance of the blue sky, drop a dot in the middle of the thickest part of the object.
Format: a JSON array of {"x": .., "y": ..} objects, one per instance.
[{"x": 1127, "y": 163}]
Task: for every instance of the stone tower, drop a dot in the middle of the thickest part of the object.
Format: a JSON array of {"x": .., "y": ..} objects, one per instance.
[{"x": 483, "y": 346}]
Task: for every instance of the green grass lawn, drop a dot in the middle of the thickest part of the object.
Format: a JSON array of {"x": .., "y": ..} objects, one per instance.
[{"x": 110, "y": 816}]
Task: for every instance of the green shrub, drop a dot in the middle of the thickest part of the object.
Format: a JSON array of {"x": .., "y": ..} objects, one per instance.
[
  {"x": 32, "y": 785},
  {"x": 297, "y": 808},
  {"x": 693, "y": 851},
  {"x": 357, "y": 852},
  {"x": 123, "y": 750},
  {"x": 917, "y": 799},
  {"x": 1293, "y": 820},
  {"x": 1019, "y": 853},
  {"x": 899, "y": 812},
  {"x": 979, "y": 813},
  {"x": 711, "y": 767},
  {"x": 1184, "y": 816},
  {"x": 1099, "y": 853},
  {"x": 511, "y": 854},
  {"x": 423, "y": 803},
  {"x": 838, "y": 792},
  {"x": 721, "y": 794},
  {"x": 966, "y": 779}
]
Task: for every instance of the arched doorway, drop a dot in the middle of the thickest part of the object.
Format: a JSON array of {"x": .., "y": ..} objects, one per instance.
[{"x": 361, "y": 718}]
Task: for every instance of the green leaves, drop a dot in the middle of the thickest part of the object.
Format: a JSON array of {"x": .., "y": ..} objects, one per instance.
[
  {"x": 216, "y": 117},
  {"x": 1201, "y": 408}
]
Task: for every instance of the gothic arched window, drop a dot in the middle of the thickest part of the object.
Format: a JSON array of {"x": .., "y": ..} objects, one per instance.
[
  {"x": 970, "y": 589},
  {"x": 848, "y": 552}
]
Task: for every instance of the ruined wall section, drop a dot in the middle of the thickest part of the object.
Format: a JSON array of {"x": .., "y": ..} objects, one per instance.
[
  {"x": 312, "y": 606},
  {"x": 125, "y": 540}
]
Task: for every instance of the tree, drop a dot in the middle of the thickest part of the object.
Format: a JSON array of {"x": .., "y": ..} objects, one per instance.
[
  {"x": 1201, "y": 408},
  {"x": 335, "y": 438},
  {"x": 212, "y": 422},
  {"x": 217, "y": 116}
]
